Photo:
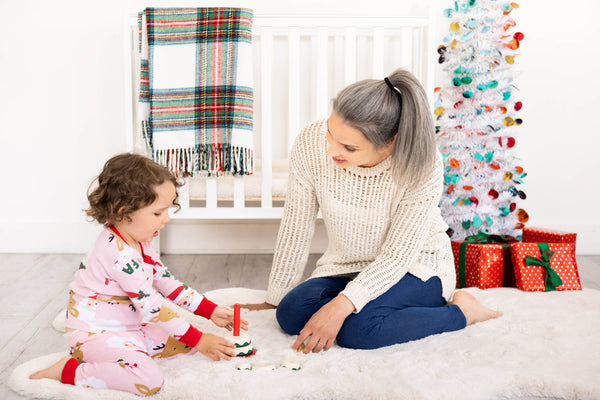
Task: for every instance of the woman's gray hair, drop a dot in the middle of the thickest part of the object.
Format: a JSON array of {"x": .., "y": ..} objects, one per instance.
[{"x": 373, "y": 108}]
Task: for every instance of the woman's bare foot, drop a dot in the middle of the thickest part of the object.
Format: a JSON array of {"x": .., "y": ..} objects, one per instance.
[
  {"x": 474, "y": 311},
  {"x": 52, "y": 372}
]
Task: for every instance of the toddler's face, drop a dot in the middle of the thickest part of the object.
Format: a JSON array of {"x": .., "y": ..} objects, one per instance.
[{"x": 145, "y": 223}]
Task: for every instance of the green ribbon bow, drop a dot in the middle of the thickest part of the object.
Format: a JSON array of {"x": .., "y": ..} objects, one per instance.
[
  {"x": 482, "y": 237},
  {"x": 551, "y": 280}
]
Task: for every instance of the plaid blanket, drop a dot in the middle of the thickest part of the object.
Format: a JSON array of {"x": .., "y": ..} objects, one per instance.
[{"x": 196, "y": 97}]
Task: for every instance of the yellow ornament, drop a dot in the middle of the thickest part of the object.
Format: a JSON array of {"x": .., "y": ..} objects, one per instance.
[
  {"x": 454, "y": 27},
  {"x": 438, "y": 111},
  {"x": 510, "y": 59}
]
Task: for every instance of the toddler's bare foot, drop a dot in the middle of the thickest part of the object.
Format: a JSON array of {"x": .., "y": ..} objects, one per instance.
[
  {"x": 474, "y": 311},
  {"x": 52, "y": 372}
]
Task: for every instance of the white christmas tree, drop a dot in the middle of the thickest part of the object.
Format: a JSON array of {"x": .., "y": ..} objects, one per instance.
[{"x": 477, "y": 119}]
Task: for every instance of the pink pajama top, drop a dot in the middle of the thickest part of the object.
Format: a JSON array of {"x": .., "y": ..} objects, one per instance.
[{"x": 118, "y": 289}]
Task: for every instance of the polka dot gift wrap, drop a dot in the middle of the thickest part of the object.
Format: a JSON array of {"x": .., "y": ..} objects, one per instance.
[
  {"x": 561, "y": 257},
  {"x": 484, "y": 265},
  {"x": 543, "y": 235}
]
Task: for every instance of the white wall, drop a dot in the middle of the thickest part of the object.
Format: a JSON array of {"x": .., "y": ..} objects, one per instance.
[{"x": 62, "y": 114}]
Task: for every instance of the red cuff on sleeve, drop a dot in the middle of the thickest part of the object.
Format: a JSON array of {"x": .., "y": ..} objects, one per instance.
[
  {"x": 191, "y": 337},
  {"x": 68, "y": 373},
  {"x": 205, "y": 308}
]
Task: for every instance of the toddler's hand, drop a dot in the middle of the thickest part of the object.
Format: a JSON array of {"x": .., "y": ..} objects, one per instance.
[
  {"x": 215, "y": 347},
  {"x": 223, "y": 317}
]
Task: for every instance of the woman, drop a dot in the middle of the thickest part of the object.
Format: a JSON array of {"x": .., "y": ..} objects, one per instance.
[{"x": 387, "y": 276}]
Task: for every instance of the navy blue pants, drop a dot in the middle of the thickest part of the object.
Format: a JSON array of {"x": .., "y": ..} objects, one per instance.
[{"x": 409, "y": 310}]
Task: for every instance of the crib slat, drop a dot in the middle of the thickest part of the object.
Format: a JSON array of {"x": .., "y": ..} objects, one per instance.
[
  {"x": 349, "y": 55},
  {"x": 266, "y": 76},
  {"x": 238, "y": 191},
  {"x": 211, "y": 192},
  {"x": 430, "y": 57},
  {"x": 294, "y": 86},
  {"x": 406, "y": 41},
  {"x": 322, "y": 99},
  {"x": 184, "y": 194},
  {"x": 378, "y": 53},
  {"x": 420, "y": 42}
]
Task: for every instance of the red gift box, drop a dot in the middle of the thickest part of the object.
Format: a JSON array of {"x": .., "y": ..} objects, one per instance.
[
  {"x": 542, "y": 235},
  {"x": 487, "y": 261},
  {"x": 535, "y": 271}
]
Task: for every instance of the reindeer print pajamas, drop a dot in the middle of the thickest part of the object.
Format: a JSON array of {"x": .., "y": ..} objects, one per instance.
[{"x": 117, "y": 323}]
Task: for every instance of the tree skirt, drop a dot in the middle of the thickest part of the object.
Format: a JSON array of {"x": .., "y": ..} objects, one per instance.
[{"x": 544, "y": 345}]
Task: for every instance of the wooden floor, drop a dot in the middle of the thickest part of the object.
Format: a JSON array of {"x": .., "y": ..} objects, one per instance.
[{"x": 33, "y": 291}]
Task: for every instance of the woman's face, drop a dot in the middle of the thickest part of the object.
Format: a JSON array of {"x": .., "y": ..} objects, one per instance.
[{"x": 348, "y": 147}]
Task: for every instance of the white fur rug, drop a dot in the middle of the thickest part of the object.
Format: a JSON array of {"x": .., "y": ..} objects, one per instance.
[{"x": 546, "y": 345}]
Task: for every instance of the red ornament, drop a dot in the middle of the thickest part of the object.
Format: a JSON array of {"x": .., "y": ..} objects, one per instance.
[
  {"x": 474, "y": 200},
  {"x": 493, "y": 193},
  {"x": 519, "y": 36},
  {"x": 518, "y": 105},
  {"x": 510, "y": 142}
]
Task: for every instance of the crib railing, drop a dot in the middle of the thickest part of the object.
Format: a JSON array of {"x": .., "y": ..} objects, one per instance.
[{"x": 299, "y": 64}]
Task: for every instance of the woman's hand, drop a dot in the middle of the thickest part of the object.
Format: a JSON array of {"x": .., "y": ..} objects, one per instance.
[
  {"x": 223, "y": 317},
  {"x": 215, "y": 347},
  {"x": 324, "y": 325},
  {"x": 258, "y": 307}
]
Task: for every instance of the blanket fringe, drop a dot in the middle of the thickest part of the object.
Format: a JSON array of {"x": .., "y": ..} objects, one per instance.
[
  {"x": 147, "y": 134},
  {"x": 213, "y": 160}
]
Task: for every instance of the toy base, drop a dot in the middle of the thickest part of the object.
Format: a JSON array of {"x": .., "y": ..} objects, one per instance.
[{"x": 249, "y": 355}]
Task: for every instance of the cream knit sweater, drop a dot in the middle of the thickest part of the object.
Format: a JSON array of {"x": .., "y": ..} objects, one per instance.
[{"x": 378, "y": 231}]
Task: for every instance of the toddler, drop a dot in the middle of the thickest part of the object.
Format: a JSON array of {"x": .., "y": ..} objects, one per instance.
[{"x": 116, "y": 322}]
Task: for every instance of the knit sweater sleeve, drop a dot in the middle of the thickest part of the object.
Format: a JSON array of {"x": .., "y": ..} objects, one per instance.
[
  {"x": 404, "y": 241},
  {"x": 297, "y": 223}
]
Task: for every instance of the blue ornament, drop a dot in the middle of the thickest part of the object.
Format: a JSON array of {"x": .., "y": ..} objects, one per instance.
[
  {"x": 471, "y": 23},
  {"x": 466, "y": 36}
]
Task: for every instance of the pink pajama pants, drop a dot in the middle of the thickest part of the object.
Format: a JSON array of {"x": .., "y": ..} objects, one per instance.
[{"x": 124, "y": 360}]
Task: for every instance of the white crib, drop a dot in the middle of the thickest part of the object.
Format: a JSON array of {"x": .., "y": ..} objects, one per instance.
[{"x": 300, "y": 63}]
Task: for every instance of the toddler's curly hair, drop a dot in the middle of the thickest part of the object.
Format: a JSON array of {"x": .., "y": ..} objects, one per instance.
[{"x": 126, "y": 184}]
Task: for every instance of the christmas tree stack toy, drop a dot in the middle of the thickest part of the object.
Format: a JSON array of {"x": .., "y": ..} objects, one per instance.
[{"x": 242, "y": 341}]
